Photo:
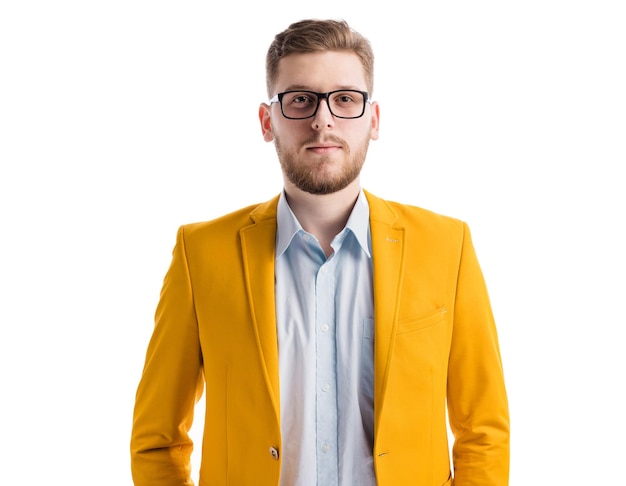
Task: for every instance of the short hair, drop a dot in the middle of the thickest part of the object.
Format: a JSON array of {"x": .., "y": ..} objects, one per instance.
[{"x": 317, "y": 36}]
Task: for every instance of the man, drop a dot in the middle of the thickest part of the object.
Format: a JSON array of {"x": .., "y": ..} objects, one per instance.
[{"x": 331, "y": 329}]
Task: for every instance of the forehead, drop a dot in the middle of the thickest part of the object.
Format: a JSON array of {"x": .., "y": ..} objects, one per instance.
[{"x": 321, "y": 71}]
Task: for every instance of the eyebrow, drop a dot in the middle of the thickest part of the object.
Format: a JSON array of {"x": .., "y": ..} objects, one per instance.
[{"x": 302, "y": 87}]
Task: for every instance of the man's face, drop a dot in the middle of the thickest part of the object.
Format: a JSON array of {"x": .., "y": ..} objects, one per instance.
[{"x": 322, "y": 154}]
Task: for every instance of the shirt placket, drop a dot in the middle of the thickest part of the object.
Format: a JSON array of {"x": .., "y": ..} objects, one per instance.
[{"x": 326, "y": 375}]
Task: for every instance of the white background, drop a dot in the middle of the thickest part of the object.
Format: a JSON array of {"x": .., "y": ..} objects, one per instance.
[{"x": 121, "y": 120}]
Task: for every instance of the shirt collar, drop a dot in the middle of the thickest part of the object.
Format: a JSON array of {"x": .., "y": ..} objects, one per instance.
[{"x": 288, "y": 225}]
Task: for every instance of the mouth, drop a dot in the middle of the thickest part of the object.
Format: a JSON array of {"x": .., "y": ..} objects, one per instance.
[{"x": 323, "y": 147}]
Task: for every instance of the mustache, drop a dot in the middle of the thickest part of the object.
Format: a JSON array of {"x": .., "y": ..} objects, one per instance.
[{"x": 325, "y": 140}]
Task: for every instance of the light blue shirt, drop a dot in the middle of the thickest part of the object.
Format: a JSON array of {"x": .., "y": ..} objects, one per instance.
[{"x": 324, "y": 310}]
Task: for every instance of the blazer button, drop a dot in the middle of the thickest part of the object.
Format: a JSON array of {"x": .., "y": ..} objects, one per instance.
[{"x": 274, "y": 453}]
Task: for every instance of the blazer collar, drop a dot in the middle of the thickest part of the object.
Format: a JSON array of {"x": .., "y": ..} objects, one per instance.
[{"x": 266, "y": 210}]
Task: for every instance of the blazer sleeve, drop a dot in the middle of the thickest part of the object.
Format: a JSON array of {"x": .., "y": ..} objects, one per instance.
[
  {"x": 170, "y": 385},
  {"x": 477, "y": 401}
]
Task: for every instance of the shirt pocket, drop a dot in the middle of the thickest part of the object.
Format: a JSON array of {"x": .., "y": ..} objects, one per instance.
[
  {"x": 368, "y": 328},
  {"x": 423, "y": 321}
]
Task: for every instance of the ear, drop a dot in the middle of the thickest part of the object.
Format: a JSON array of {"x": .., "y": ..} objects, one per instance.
[
  {"x": 266, "y": 123},
  {"x": 375, "y": 120}
]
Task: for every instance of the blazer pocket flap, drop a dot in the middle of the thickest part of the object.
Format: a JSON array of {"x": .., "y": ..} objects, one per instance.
[{"x": 423, "y": 321}]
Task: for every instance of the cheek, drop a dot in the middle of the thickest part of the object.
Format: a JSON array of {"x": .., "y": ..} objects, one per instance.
[
  {"x": 365, "y": 133},
  {"x": 288, "y": 135}
]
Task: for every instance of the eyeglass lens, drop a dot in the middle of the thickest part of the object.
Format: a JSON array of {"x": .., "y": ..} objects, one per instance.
[{"x": 304, "y": 104}]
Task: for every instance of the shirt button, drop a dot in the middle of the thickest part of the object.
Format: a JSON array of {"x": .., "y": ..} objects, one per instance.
[
  {"x": 274, "y": 453},
  {"x": 325, "y": 387},
  {"x": 325, "y": 448},
  {"x": 324, "y": 270},
  {"x": 324, "y": 327}
]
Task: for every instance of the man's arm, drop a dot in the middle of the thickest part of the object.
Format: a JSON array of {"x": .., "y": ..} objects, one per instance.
[
  {"x": 477, "y": 401},
  {"x": 170, "y": 385}
]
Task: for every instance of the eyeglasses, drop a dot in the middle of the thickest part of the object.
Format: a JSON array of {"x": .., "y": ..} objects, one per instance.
[{"x": 342, "y": 103}]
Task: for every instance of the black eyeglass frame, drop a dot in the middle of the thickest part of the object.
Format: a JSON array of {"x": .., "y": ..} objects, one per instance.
[{"x": 321, "y": 96}]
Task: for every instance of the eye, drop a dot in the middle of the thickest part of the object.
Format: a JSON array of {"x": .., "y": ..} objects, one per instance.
[
  {"x": 345, "y": 98},
  {"x": 301, "y": 99}
]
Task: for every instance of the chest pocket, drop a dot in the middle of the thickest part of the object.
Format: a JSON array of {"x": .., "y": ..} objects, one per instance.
[{"x": 418, "y": 323}]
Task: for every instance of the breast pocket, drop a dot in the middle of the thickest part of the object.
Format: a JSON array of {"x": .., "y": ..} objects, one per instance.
[{"x": 421, "y": 322}]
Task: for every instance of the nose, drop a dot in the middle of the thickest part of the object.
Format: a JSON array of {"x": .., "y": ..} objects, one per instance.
[{"x": 323, "y": 117}]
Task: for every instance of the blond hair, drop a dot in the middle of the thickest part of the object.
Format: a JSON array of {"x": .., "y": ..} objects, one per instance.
[{"x": 316, "y": 36}]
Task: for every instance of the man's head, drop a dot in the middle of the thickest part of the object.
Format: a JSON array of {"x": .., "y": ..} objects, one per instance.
[{"x": 320, "y": 115}]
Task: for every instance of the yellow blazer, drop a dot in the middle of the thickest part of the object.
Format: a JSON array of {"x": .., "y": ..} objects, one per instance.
[{"x": 436, "y": 350}]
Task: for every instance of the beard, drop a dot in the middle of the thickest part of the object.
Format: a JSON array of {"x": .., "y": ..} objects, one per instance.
[{"x": 317, "y": 176}]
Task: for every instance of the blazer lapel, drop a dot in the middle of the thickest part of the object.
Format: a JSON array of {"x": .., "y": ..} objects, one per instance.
[
  {"x": 258, "y": 248},
  {"x": 388, "y": 261}
]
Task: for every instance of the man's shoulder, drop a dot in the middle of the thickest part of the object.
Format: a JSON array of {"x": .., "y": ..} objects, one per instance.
[
  {"x": 234, "y": 220},
  {"x": 404, "y": 214},
  {"x": 421, "y": 227}
]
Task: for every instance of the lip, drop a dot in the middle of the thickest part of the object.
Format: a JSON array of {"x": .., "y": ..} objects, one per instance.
[{"x": 323, "y": 148}]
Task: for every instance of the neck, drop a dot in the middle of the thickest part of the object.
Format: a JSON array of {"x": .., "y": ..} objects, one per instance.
[{"x": 324, "y": 216}]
